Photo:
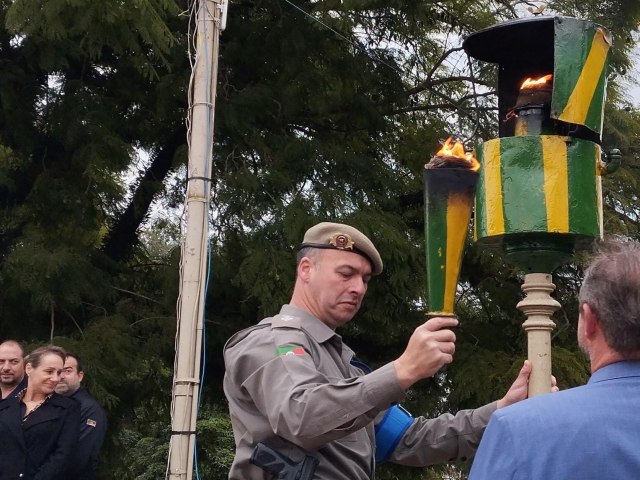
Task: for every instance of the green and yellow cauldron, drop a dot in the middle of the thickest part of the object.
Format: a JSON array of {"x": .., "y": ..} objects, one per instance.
[{"x": 539, "y": 192}]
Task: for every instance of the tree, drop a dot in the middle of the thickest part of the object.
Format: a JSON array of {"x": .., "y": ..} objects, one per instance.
[{"x": 325, "y": 110}]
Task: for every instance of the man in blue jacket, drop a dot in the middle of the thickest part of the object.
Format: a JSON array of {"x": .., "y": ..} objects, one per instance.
[
  {"x": 590, "y": 432},
  {"x": 93, "y": 420}
]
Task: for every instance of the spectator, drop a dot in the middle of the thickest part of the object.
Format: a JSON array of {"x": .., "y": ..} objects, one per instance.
[
  {"x": 589, "y": 432},
  {"x": 12, "y": 377},
  {"x": 93, "y": 420},
  {"x": 39, "y": 428}
]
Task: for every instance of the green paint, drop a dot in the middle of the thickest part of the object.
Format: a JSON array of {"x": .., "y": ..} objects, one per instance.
[
  {"x": 583, "y": 195},
  {"x": 480, "y": 215},
  {"x": 523, "y": 184},
  {"x": 435, "y": 224},
  {"x": 572, "y": 43},
  {"x": 596, "y": 109}
]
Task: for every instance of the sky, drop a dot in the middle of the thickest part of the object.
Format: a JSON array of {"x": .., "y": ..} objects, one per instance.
[{"x": 634, "y": 76}]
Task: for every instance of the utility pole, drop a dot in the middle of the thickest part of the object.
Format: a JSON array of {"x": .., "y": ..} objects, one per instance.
[{"x": 210, "y": 17}]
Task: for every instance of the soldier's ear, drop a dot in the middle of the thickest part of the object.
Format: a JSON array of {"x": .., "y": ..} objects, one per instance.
[
  {"x": 80, "y": 376},
  {"x": 304, "y": 268}
]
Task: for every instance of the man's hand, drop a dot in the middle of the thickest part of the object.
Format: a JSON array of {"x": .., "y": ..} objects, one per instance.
[
  {"x": 520, "y": 387},
  {"x": 430, "y": 347}
]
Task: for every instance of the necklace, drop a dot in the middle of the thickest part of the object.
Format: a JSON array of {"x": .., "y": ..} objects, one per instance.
[{"x": 35, "y": 407}]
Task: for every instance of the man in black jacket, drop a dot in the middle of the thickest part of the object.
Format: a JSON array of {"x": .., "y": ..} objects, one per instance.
[
  {"x": 93, "y": 420},
  {"x": 12, "y": 377}
]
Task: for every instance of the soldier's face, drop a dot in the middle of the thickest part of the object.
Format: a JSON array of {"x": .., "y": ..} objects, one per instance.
[
  {"x": 70, "y": 378},
  {"x": 11, "y": 365},
  {"x": 337, "y": 283}
]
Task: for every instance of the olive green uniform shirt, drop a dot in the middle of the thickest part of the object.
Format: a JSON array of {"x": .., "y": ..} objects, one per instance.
[{"x": 312, "y": 400}]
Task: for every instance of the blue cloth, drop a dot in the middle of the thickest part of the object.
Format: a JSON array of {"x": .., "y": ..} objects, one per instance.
[
  {"x": 590, "y": 432},
  {"x": 390, "y": 431}
]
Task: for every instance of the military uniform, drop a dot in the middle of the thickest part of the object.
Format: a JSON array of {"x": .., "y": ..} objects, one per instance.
[{"x": 291, "y": 385}]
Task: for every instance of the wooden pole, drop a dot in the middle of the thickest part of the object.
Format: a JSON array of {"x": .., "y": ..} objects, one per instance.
[
  {"x": 538, "y": 306},
  {"x": 186, "y": 381}
]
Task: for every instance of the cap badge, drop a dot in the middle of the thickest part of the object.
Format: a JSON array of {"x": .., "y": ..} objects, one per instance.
[{"x": 341, "y": 241}]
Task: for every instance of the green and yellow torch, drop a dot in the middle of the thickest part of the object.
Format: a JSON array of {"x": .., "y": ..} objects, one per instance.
[
  {"x": 450, "y": 180},
  {"x": 539, "y": 196}
]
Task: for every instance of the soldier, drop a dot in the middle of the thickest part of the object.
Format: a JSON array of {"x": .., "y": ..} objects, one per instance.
[
  {"x": 93, "y": 420},
  {"x": 12, "y": 377},
  {"x": 294, "y": 386}
]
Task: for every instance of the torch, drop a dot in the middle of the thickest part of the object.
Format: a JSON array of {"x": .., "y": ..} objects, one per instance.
[
  {"x": 539, "y": 196},
  {"x": 450, "y": 180}
]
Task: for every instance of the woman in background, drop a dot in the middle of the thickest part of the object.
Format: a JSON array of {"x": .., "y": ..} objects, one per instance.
[{"x": 39, "y": 428}]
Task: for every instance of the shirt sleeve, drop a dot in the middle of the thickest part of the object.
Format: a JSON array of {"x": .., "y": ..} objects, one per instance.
[
  {"x": 430, "y": 441},
  {"x": 93, "y": 428},
  {"x": 496, "y": 457},
  {"x": 302, "y": 404}
]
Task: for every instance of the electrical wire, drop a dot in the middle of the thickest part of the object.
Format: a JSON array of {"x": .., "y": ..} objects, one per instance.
[
  {"x": 399, "y": 70},
  {"x": 195, "y": 29}
]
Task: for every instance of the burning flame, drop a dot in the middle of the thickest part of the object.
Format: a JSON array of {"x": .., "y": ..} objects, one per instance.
[
  {"x": 456, "y": 150},
  {"x": 536, "y": 82}
]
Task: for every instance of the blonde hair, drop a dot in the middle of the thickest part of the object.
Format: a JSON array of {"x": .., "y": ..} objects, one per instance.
[{"x": 35, "y": 357}]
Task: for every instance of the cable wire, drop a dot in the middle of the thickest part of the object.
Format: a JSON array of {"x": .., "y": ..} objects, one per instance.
[{"x": 401, "y": 71}]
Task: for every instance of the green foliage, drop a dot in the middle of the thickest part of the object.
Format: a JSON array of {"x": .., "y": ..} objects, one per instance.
[
  {"x": 144, "y": 449},
  {"x": 312, "y": 123},
  {"x": 215, "y": 442}
]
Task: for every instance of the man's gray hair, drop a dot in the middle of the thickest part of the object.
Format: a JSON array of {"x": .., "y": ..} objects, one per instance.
[
  {"x": 309, "y": 252},
  {"x": 611, "y": 287}
]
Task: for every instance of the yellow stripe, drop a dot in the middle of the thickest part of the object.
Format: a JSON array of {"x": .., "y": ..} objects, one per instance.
[
  {"x": 556, "y": 183},
  {"x": 493, "y": 188},
  {"x": 580, "y": 100},
  {"x": 458, "y": 214}
]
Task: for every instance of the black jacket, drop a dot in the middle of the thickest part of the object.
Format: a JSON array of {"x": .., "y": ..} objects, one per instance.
[
  {"x": 42, "y": 447},
  {"x": 93, "y": 428}
]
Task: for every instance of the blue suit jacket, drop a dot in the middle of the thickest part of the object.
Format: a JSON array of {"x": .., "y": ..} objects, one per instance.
[{"x": 590, "y": 432}]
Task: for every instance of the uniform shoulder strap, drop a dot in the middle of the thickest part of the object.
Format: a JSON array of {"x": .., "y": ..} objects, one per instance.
[
  {"x": 242, "y": 334},
  {"x": 286, "y": 321}
]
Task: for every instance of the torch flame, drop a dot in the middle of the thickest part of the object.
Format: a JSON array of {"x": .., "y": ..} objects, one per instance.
[
  {"x": 536, "y": 82},
  {"x": 456, "y": 150}
]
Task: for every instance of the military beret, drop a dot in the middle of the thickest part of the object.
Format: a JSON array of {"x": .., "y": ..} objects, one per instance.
[{"x": 343, "y": 237}]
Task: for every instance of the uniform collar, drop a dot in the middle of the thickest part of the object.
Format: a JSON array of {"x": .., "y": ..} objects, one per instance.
[{"x": 312, "y": 325}]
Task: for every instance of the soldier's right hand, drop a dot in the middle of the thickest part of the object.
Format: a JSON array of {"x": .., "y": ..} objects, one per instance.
[{"x": 430, "y": 347}]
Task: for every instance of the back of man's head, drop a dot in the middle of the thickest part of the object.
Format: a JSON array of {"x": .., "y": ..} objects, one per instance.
[{"x": 611, "y": 287}]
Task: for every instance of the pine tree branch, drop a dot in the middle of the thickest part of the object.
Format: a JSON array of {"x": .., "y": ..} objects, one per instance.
[{"x": 122, "y": 237}]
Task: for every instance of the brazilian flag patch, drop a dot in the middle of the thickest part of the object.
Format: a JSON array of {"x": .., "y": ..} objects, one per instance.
[{"x": 289, "y": 350}]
